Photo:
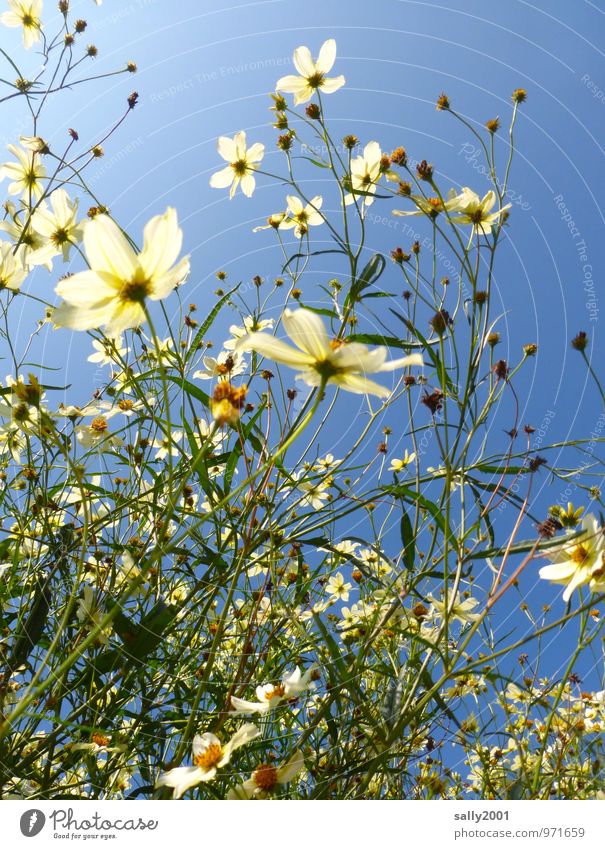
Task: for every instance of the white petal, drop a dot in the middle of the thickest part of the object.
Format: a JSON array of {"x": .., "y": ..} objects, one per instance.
[
  {"x": 87, "y": 288},
  {"x": 227, "y": 149},
  {"x": 327, "y": 56},
  {"x": 402, "y": 362},
  {"x": 332, "y": 84},
  {"x": 223, "y": 178},
  {"x": 303, "y": 61},
  {"x": 162, "y": 242},
  {"x": 360, "y": 385},
  {"x": 275, "y": 349},
  {"x": 291, "y": 768},
  {"x": 181, "y": 778},
  {"x": 248, "y": 184},
  {"x": 308, "y": 332},
  {"x": 107, "y": 249}
]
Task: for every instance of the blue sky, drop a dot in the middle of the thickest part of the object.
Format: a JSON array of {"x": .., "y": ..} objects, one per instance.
[{"x": 206, "y": 70}]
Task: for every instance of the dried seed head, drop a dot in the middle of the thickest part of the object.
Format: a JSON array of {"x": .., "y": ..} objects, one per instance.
[{"x": 580, "y": 341}]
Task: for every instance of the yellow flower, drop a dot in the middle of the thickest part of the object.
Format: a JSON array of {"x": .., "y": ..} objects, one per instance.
[
  {"x": 312, "y": 73},
  {"x": 113, "y": 292},
  {"x": 26, "y": 14},
  {"x": 471, "y": 209},
  {"x": 300, "y": 217}
]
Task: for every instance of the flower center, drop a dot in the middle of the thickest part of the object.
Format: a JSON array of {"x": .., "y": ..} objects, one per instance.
[
  {"x": 59, "y": 237},
  {"x": 265, "y": 777},
  {"x": 126, "y": 404},
  {"x": 579, "y": 555},
  {"x": 316, "y": 80},
  {"x": 209, "y": 757},
  {"x": 100, "y": 739},
  {"x": 275, "y": 693},
  {"x": 477, "y": 216},
  {"x": 135, "y": 291},
  {"x": 99, "y": 424},
  {"x": 240, "y": 166}
]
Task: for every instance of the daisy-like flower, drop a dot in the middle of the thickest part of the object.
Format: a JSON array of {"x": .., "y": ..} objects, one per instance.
[
  {"x": 97, "y": 435},
  {"x": 271, "y": 695},
  {"x": 337, "y": 588},
  {"x": 22, "y": 233},
  {"x": 26, "y": 14},
  {"x": 322, "y": 360},
  {"x": 312, "y": 73},
  {"x": 300, "y": 217},
  {"x": 251, "y": 325},
  {"x": 471, "y": 209},
  {"x": 365, "y": 173},
  {"x": 12, "y": 271},
  {"x": 113, "y": 292},
  {"x": 107, "y": 351},
  {"x": 243, "y": 162},
  {"x": 463, "y": 609},
  {"x": 579, "y": 561},
  {"x": 26, "y": 173},
  {"x": 432, "y": 206},
  {"x": 267, "y": 777},
  {"x": 208, "y": 756},
  {"x": 228, "y": 364},
  {"x": 399, "y": 465},
  {"x": 314, "y": 492},
  {"x": 58, "y": 226}
]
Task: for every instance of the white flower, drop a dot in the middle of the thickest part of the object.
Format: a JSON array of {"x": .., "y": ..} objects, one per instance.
[
  {"x": 365, "y": 173},
  {"x": 461, "y": 609},
  {"x": 266, "y": 777},
  {"x": 399, "y": 465},
  {"x": 12, "y": 270},
  {"x": 28, "y": 240},
  {"x": 312, "y": 73},
  {"x": 337, "y": 588},
  {"x": 25, "y": 173},
  {"x": 113, "y": 292},
  {"x": 251, "y": 324},
  {"x": 208, "y": 755},
  {"x": 26, "y": 14},
  {"x": 58, "y": 226},
  {"x": 271, "y": 695},
  {"x": 97, "y": 435},
  {"x": 107, "y": 351},
  {"x": 320, "y": 359},
  {"x": 314, "y": 492},
  {"x": 300, "y": 217},
  {"x": 243, "y": 162},
  {"x": 228, "y": 364},
  {"x": 471, "y": 209},
  {"x": 34, "y": 143},
  {"x": 90, "y": 613},
  {"x": 167, "y": 445},
  {"x": 432, "y": 206},
  {"x": 579, "y": 561}
]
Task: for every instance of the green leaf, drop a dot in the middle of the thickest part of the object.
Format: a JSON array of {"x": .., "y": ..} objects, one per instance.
[{"x": 207, "y": 324}]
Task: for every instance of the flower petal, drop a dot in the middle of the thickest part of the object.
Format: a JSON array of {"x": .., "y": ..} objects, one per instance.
[
  {"x": 327, "y": 56},
  {"x": 107, "y": 249},
  {"x": 303, "y": 61},
  {"x": 268, "y": 346},
  {"x": 308, "y": 332}
]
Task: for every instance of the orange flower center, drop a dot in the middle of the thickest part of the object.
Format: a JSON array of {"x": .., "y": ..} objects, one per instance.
[
  {"x": 100, "y": 739},
  {"x": 579, "y": 555},
  {"x": 265, "y": 777},
  {"x": 276, "y": 693},
  {"x": 209, "y": 757},
  {"x": 99, "y": 424}
]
